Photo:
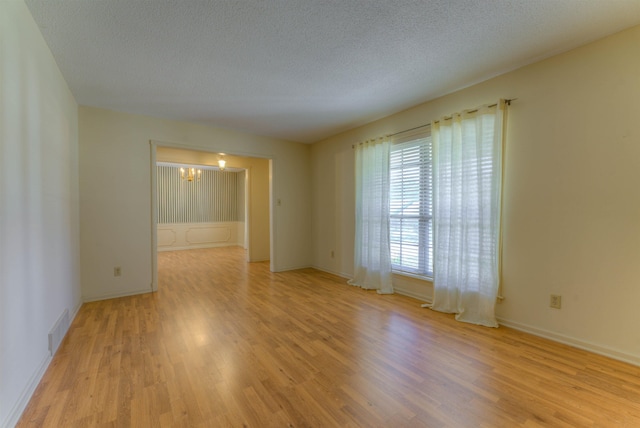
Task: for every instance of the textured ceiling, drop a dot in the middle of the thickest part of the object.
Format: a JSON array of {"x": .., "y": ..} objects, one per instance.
[{"x": 303, "y": 70}]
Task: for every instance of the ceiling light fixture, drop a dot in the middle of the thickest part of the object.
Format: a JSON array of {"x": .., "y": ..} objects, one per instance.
[
  {"x": 190, "y": 174},
  {"x": 221, "y": 162}
]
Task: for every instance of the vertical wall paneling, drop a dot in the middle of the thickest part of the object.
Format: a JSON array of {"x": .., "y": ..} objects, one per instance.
[
  {"x": 215, "y": 198},
  {"x": 200, "y": 214}
]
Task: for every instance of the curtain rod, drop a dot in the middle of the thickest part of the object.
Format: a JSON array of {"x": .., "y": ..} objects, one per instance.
[
  {"x": 507, "y": 102},
  {"x": 407, "y": 130}
]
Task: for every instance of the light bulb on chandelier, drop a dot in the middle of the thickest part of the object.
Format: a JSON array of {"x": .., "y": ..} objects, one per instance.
[{"x": 190, "y": 174}]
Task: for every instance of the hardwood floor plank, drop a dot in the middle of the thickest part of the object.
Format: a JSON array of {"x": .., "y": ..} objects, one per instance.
[{"x": 228, "y": 343}]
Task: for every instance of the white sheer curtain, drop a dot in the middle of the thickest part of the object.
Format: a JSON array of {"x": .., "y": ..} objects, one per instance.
[
  {"x": 467, "y": 157},
  {"x": 372, "y": 251}
]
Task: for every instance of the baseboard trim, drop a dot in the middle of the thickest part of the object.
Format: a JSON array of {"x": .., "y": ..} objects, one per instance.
[
  {"x": 417, "y": 296},
  {"x": 16, "y": 412},
  {"x": 75, "y": 311},
  {"x": 572, "y": 341},
  {"x": 116, "y": 295},
  {"x": 332, "y": 272},
  {"x": 397, "y": 290},
  {"x": 290, "y": 268}
]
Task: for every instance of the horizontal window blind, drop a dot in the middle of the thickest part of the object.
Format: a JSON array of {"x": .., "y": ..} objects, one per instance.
[
  {"x": 212, "y": 199},
  {"x": 411, "y": 206}
]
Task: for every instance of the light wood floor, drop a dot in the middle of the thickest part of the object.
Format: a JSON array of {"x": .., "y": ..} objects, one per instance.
[{"x": 226, "y": 343}]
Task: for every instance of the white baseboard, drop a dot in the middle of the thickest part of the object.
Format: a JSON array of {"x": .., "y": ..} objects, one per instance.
[
  {"x": 75, "y": 311},
  {"x": 340, "y": 274},
  {"x": 571, "y": 341},
  {"x": 289, "y": 268},
  {"x": 398, "y": 290},
  {"x": 16, "y": 412},
  {"x": 116, "y": 295},
  {"x": 417, "y": 296}
]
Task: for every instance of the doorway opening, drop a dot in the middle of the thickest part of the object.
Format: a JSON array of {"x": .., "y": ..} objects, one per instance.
[{"x": 213, "y": 208}]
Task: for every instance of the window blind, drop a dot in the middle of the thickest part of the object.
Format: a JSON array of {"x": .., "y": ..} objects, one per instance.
[{"x": 411, "y": 206}]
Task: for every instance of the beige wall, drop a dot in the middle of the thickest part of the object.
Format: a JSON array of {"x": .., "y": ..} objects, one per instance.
[
  {"x": 115, "y": 194},
  {"x": 258, "y": 169},
  {"x": 571, "y": 198},
  {"x": 39, "y": 234}
]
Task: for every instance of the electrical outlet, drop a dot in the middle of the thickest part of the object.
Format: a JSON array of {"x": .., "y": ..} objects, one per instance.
[
  {"x": 117, "y": 271},
  {"x": 556, "y": 301}
]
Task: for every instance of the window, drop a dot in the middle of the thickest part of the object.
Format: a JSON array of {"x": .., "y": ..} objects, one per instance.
[{"x": 411, "y": 206}]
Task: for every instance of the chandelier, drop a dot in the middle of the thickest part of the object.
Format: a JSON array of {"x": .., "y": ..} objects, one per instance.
[{"x": 190, "y": 174}]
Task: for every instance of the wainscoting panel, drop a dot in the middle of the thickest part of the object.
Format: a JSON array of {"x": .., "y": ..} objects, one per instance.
[
  {"x": 166, "y": 237},
  {"x": 209, "y": 235},
  {"x": 184, "y": 236}
]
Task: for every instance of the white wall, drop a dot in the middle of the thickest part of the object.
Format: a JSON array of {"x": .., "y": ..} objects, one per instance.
[
  {"x": 115, "y": 183},
  {"x": 39, "y": 257},
  {"x": 571, "y": 199}
]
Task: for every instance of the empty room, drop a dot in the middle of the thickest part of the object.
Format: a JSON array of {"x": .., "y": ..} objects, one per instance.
[{"x": 297, "y": 213}]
